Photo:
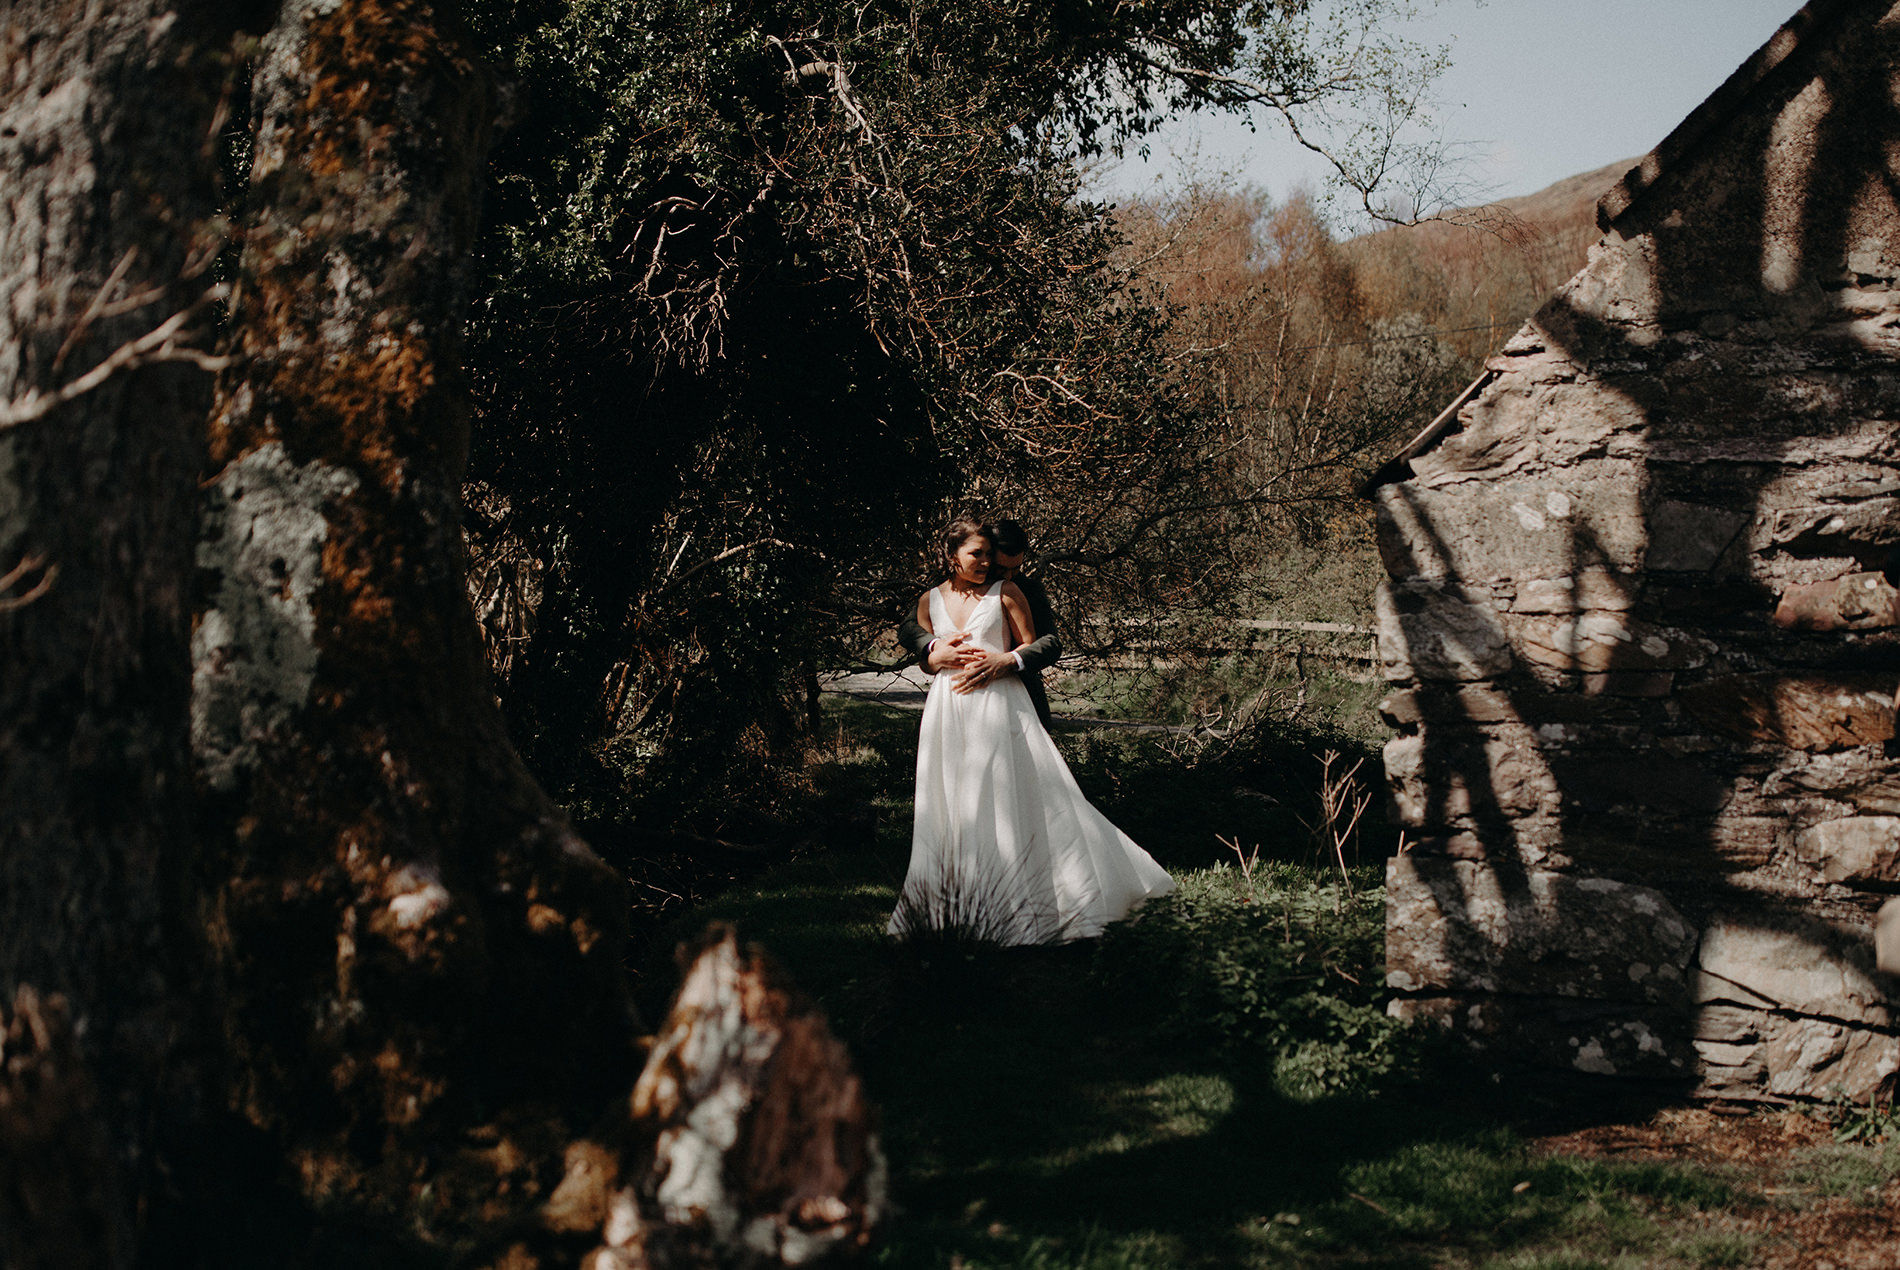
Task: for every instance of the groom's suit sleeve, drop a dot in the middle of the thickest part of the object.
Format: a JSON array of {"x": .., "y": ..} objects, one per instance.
[
  {"x": 915, "y": 639},
  {"x": 1042, "y": 652}
]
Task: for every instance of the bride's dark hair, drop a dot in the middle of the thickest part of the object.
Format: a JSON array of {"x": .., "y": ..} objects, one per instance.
[{"x": 954, "y": 535}]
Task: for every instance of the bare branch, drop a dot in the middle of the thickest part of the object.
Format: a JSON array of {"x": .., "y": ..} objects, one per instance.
[
  {"x": 1392, "y": 102},
  {"x": 160, "y": 344},
  {"x": 730, "y": 552},
  {"x": 8, "y": 603}
]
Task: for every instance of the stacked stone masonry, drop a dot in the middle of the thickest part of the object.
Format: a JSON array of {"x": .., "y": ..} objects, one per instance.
[{"x": 1639, "y": 631}]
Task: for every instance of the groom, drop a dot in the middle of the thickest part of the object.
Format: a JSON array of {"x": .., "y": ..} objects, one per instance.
[{"x": 973, "y": 666}]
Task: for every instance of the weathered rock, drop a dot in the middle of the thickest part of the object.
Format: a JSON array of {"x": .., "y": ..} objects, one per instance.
[
  {"x": 1804, "y": 1056},
  {"x": 1457, "y": 846},
  {"x": 1591, "y": 588},
  {"x": 1466, "y": 927},
  {"x": 1745, "y": 1053},
  {"x": 1802, "y": 712},
  {"x": 1619, "y": 781},
  {"x": 1481, "y": 704},
  {"x": 1519, "y": 531},
  {"x": 1860, "y": 775},
  {"x": 1687, "y": 537},
  {"x": 1628, "y": 683},
  {"x": 1817, "y": 529},
  {"x": 1887, "y": 938},
  {"x": 1702, "y": 601},
  {"x": 1729, "y": 1071},
  {"x": 1859, "y": 601},
  {"x": 1856, "y": 849},
  {"x": 1729, "y": 1025},
  {"x": 1603, "y": 642},
  {"x": 1746, "y": 840},
  {"x": 1493, "y": 441},
  {"x": 1799, "y": 967},
  {"x": 1448, "y": 776},
  {"x": 1428, "y": 631},
  {"x": 1690, "y": 537},
  {"x": 1600, "y": 1039},
  {"x": 1477, "y": 705}
]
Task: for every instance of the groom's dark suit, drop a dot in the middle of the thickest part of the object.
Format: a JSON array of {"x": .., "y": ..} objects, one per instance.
[{"x": 1038, "y": 655}]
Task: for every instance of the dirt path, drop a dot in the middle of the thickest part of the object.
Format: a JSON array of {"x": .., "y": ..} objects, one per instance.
[{"x": 1803, "y": 1218}]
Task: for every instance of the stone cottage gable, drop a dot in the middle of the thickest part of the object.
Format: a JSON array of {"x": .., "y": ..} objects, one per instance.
[{"x": 1641, "y": 647}]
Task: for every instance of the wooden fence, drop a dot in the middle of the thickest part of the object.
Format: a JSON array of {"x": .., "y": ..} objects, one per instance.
[{"x": 1338, "y": 646}]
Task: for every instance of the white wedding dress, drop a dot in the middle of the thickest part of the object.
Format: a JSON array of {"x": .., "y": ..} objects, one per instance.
[{"x": 1004, "y": 845}]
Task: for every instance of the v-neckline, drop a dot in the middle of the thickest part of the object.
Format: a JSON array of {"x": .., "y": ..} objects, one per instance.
[{"x": 988, "y": 592}]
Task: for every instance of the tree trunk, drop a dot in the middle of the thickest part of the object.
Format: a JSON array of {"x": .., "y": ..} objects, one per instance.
[
  {"x": 107, "y": 111},
  {"x": 426, "y": 997},
  {"x": 390, "y": 957}
]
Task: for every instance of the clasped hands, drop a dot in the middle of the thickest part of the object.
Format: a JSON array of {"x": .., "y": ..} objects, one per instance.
[{"x": 974, "y": 666}]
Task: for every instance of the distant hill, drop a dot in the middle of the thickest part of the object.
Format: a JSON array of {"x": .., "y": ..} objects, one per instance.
[
  {"x": 1488, "y": 267},
  {"x": 1571, "y": 201}
]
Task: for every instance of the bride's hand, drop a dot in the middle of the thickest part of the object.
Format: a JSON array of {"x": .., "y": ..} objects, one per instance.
[
  {"x": 949, "y": 653},
  {"x": 981, "y": 669}
]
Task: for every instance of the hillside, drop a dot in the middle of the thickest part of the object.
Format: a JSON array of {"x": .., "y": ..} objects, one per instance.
[
  {"x": 1573, "y": 199},
  {"x": 1487, "y": 267}
]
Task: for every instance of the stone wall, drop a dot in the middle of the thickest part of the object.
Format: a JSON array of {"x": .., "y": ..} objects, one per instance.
[{"x": 1641, "y": 648}]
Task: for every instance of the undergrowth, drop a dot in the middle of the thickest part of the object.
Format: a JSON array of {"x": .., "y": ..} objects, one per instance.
[
  {"x": 1212, "y": 1084},
  {"x": 1278, "y": 964}
]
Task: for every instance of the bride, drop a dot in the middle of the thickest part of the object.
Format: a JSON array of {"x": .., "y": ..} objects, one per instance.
[{"x": 1004, "y": 846}]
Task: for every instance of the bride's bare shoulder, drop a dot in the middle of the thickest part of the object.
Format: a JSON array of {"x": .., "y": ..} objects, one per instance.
[{"x": 1013, "y": 592}]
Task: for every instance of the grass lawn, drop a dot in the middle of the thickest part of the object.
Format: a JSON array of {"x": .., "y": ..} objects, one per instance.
[{"x": 1214, "y": 1083}]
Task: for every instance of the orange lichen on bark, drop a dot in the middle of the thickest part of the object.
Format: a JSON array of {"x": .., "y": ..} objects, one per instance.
[
  {"x": 366, "y": 47},
  {"x": 370, "y": 412},
  {"x": 444, "y": 1007}
]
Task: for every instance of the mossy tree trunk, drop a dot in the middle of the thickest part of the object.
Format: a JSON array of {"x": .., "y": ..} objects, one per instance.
[{"x": 426, "y": 1001}]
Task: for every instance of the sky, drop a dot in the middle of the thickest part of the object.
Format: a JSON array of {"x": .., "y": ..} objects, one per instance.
[{"x": 1540, "y": 89}]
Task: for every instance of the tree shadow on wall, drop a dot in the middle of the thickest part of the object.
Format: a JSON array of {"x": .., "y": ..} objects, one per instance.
[{"x": 1616, "y": 760}]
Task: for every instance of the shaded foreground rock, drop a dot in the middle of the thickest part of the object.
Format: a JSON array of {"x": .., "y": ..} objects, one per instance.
[{"x": 748, "y": 1142}]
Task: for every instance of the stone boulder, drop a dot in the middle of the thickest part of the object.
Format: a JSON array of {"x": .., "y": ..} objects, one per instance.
[
  {"x": 1599, "y": 1039},
  {"x": 1745, "y": 1054},
  {"x": 1798, "y": 966},
  {"x": 1853, "y": 850},
  {"x": 1436, "y": 631},
  {"x": 1859, "y": 601},
  {"x": 1465, "y": 926},
  {"x": 1815, "y": 712}
]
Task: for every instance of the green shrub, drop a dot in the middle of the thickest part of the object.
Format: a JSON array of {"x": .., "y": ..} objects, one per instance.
[
  {"x": 1872, "y": 1121},
  {"x": 1280, "y": 959}
]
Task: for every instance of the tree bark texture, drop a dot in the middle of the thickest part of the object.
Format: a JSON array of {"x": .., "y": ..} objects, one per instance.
[
  {"x": 107, "y": 193},
  {"x": 387, "y": 953},
  {"x": 426, "y": 998}
]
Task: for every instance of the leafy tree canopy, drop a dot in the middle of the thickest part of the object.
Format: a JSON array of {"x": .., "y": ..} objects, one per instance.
[{"x": 768, "y": 286}]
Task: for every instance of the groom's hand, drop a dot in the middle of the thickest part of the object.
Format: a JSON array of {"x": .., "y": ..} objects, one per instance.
[
  {"x": 949, "y": 653},
  {"x": 984, "y": 667}
]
